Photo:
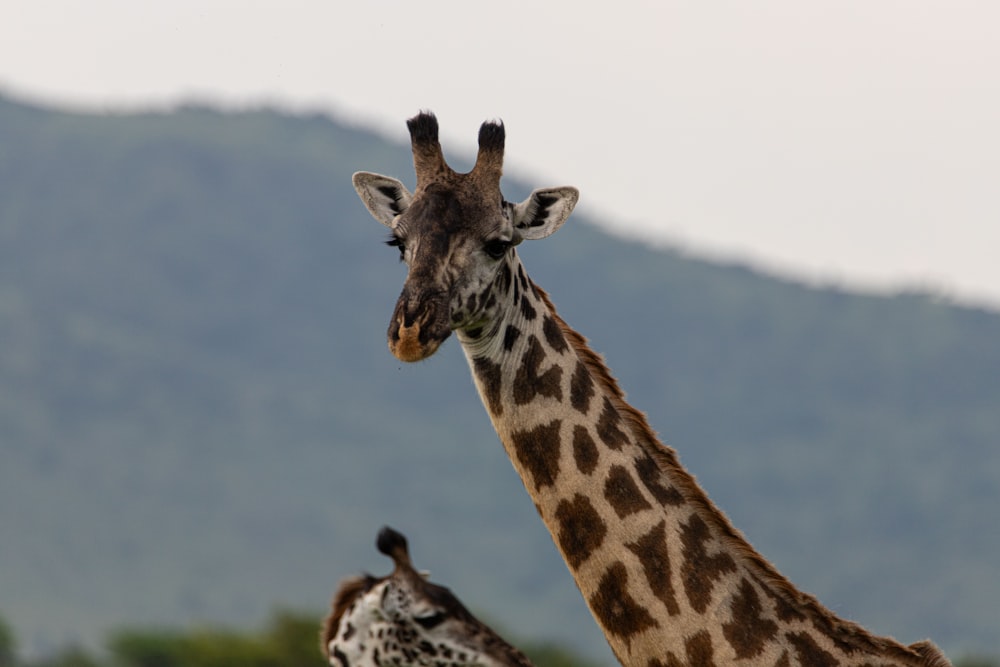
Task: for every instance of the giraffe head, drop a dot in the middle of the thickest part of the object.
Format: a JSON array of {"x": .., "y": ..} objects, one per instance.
[
  {"x": 403, "y": 619},
  {"x": 455, "y": 231}
]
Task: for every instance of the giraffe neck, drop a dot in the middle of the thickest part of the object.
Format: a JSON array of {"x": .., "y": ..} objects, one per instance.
[{"x": 666, "y": 576}]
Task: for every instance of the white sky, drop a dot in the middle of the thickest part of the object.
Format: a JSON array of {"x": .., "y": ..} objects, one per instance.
[{"x": 855, "y": 141}]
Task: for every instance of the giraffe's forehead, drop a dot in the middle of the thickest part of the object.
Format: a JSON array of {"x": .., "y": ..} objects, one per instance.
[{"x": 450, "y": 209}]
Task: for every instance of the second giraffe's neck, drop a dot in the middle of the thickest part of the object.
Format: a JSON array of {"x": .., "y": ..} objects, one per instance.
[{"x": 666, "y": 576}]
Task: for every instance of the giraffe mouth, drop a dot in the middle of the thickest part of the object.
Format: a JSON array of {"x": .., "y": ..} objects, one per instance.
[{"x": 418, "y": 327}]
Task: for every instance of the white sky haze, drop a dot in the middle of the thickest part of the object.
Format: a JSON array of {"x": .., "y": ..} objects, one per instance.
[{"x": 855, "y": 142}]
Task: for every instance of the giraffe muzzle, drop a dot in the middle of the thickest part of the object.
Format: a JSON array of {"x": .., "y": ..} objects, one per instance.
[{"x": 418, "y": 327}]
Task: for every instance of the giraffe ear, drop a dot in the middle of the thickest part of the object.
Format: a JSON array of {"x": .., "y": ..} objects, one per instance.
[
  {"x": 384, "y": 197},
  {"x": 543, "y": 212}
]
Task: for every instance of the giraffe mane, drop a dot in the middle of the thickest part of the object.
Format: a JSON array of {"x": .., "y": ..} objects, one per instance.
[
  {"x": 849, "y": 634},
  {"x": 347, "y": 592}
]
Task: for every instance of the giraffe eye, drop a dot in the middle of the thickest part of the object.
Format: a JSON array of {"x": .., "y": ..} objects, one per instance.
[
  {"x": 430, "y": 620},
  {"x": 496, "y": 248},
  {"x": 396, "y": 242}
]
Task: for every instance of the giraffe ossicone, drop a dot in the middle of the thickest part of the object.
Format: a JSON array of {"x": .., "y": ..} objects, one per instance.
[
  {"x": 667, "y": 577},
  {"x": 404, "y": 619}
]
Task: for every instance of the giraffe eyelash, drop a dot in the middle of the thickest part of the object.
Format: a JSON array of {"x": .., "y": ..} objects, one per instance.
[{"x": 396, "y": 242}]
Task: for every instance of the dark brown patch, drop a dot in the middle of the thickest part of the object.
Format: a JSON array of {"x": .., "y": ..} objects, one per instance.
[
  {"x": 845, "y": 636},
  {"x": 581, "y": 529},
  {"x": 537, "y": 451},
  {"x": 617, "y": 611},
  {"x": 670, "y": 661},
  {"x": 748, "y": 632},
  {"x": 581, "y": 388},
  {"x": 699, "y": 649},
  {"x": 782, "y": 607},
  {"x": 809, "y": 652},
  {"x": 342, "y": 659},
  {"x": 489, "y": 376},
  {"x": 608, "y": 426},
  {"x": 470, "y": 303},
  {"x": 528, "y": 384},
  {"x": 783, "y": 661},
  {"x": 700, "y": 571},
  {"x": 649, "y": 473},
  {"x": 504, "y": 278},
  {"x": 527, "y": 310},
  {"x": 584, "y": 450},
  {"x": 651, "y": 550},
  {"x": 510, "y": 336},
  {"x": 623, "y": 493},
  {"x": 554, "y": 335}
]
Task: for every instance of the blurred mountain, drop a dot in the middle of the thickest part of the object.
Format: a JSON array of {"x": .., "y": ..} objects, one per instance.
[{"x": 200, "y": 421}]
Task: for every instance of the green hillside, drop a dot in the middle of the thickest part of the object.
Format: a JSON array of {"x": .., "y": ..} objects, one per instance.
[{"x": 200, "y": 421}]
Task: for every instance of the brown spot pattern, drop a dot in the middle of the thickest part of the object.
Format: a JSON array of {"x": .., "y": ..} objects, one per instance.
[
  {"x": 554, "y": 335},
  {"x": 748, "y": 632},
  {"x": 608, "y": 426},
  {"x": 699, "y": 649},
  {"x": 584, "y": 450},
  {"x": 782, "y": 607},
  {"x": 617, "y": 611},
  {"x": 503, "y": 280},
  {"x": 528, "y": 383},
  {"x": 700, "y": 571},
  {"x": 783, "y": 661},
  {"x": 527, "y": 310},
  {"x": 537, "y": 450},
  {"x": 489, "y": 376},
  {"x": 671, "y": 661},
  {"x": 649, "y": 473},
  {"x": 510, "y": 336},
  {"x": 581, "y": 388},
  {"x": 651, "y": 550},
  {"x": 581, "y": 529},
  {"x": 809, "y": 652},
  {"x": 623, "y": 493}
]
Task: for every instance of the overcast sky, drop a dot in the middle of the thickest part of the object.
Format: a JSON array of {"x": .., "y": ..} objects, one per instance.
[{"x": 855, "y": 142}]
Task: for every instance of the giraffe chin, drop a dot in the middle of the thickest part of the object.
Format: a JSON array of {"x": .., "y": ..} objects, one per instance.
[{"x": 407, "y": 346}]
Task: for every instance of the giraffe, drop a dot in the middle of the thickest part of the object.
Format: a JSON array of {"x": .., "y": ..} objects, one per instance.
[
  {"x": 403, "y": 619},
  {"x": 665, "y": 574}
]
